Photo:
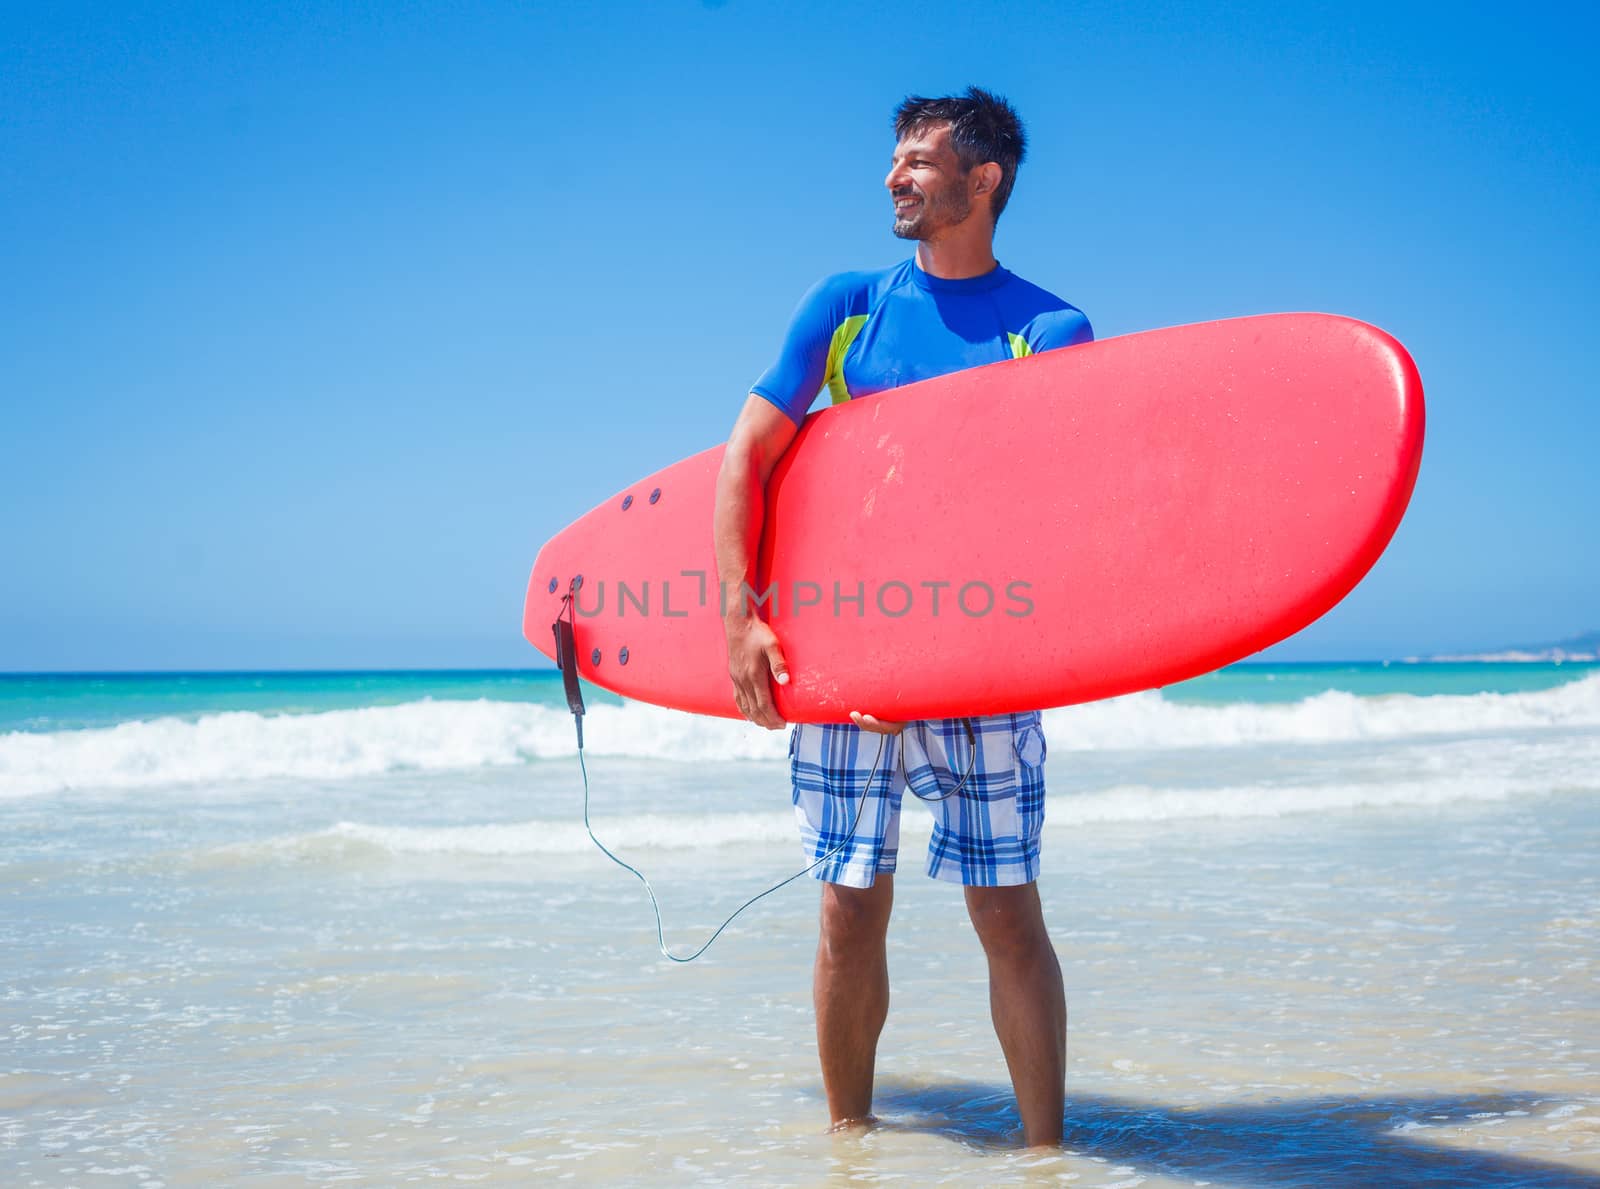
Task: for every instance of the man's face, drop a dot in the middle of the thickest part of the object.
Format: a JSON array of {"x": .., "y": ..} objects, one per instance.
[{"x": 927, "y": 184}]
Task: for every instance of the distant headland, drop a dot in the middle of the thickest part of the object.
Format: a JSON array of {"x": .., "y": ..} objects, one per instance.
[{"x": 1585, "y": 647}]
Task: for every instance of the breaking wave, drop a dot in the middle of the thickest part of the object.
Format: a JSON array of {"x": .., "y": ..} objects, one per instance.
[{"x": 429, "y": 736}]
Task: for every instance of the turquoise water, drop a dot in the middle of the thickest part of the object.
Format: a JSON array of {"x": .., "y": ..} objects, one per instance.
[
  {"x": 1289, "y": 683},
  {"x": 69, "y": 701},
  {"x": 66, "y": 701}
]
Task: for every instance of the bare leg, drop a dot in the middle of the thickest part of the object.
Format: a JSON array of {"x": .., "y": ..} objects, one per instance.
[
  {"x": 1028, "y": 1003},
  {"x": 850, "y": 987}
]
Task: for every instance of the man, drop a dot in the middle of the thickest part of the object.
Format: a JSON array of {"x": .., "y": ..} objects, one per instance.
[{"x": 949, "y": 308}]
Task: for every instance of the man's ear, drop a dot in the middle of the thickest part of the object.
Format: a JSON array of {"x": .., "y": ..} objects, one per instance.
[{"x": 988, "y": 177}]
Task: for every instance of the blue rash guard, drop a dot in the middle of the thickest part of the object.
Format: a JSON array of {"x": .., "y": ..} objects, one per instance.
[{"x": 863, "y": 332}]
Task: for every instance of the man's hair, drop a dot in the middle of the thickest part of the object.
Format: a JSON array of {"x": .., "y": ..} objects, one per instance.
[{"x": 983, "y": 128}]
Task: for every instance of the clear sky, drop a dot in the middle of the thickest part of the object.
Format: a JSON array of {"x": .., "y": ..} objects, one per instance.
[{"x": 317, "y": 320}]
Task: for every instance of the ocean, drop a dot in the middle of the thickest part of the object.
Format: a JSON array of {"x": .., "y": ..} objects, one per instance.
[{"x": 1328, "y": 925}]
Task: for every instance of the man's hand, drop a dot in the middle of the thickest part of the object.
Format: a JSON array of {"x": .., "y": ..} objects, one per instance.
[
  {"x": 754, "y": 655},
  {"x": 877, "y": 726}
]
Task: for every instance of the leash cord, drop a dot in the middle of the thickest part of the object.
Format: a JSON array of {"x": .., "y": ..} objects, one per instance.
[{"x": 655, "y": 906}]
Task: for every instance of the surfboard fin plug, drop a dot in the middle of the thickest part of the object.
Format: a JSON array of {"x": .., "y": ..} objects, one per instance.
[{"x": 565, "y": 629}]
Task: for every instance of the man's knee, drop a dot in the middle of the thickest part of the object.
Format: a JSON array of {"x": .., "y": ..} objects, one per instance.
[
  {"x": 1009, "y": 921},
  {"x": 855, "y": 920}
]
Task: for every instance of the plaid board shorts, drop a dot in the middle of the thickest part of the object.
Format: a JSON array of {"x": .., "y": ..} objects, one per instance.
[{"x": 984, "y": 835}]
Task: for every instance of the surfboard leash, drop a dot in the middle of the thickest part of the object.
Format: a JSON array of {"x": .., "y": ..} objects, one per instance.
[{"x": 565, "y": 629}]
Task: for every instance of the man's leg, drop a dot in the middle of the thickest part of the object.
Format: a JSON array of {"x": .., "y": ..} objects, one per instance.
[
  {"x": 850, "y": 987},
  {"x": 1027, "y": 1001}
]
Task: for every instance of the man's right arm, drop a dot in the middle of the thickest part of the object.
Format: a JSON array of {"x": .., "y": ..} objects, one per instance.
[{"x": 759, "y": 438}]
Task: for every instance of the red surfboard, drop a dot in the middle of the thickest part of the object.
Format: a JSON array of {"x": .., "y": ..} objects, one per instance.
[{"x": 1049, "y": 530}]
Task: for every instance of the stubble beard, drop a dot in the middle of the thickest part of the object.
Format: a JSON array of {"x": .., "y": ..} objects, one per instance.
[{"x": 943, "y": 208}]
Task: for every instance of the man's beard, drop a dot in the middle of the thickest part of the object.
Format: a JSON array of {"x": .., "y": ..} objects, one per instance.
[{"x": 943, "y": 208}]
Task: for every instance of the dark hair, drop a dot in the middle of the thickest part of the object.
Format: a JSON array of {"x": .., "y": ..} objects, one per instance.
[{"x": 983, "y": 128}]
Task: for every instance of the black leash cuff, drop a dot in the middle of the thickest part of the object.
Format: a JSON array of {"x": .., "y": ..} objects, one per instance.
[{"x": 565, "y": 629}]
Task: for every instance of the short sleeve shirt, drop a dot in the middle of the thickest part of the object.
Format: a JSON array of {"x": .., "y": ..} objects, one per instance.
[{"x": 858, "y": 333}]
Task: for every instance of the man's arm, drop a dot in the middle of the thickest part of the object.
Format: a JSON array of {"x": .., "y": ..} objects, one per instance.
[{"x": 759, "y": 438}]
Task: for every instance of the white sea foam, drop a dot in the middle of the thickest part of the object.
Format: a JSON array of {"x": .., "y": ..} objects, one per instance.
[
  {"x": 418, "y": 736},
  {"x": 1147, "y": 720},
  {"x": 458, "y": 735},
  {"x": 1118, "y": 804},
  {"x": 642, "y": 832}
]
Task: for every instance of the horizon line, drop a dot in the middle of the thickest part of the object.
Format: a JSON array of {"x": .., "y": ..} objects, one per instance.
[{"x": 539, "y": 669}]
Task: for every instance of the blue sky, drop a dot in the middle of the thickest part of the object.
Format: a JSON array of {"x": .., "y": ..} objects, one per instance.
[{"x": 318, "y": 321}]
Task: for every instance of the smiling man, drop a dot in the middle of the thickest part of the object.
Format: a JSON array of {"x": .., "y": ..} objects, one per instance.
[{"x": 948, "y": 308}]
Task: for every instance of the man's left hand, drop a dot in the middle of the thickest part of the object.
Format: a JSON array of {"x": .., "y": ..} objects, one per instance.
[{"x": 877, "y": 726}]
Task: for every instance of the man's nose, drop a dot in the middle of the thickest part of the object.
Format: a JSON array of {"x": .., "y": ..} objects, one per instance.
[{"x": 896, "y": 178}]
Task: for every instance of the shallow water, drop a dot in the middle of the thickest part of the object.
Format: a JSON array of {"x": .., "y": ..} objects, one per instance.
[
  {"x": 1365, "y": 960},
  {"x": 1248, "y": 998}
]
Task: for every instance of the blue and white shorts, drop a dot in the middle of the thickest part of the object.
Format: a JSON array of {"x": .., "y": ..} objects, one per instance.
[{"x": 985, "y": 834}]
